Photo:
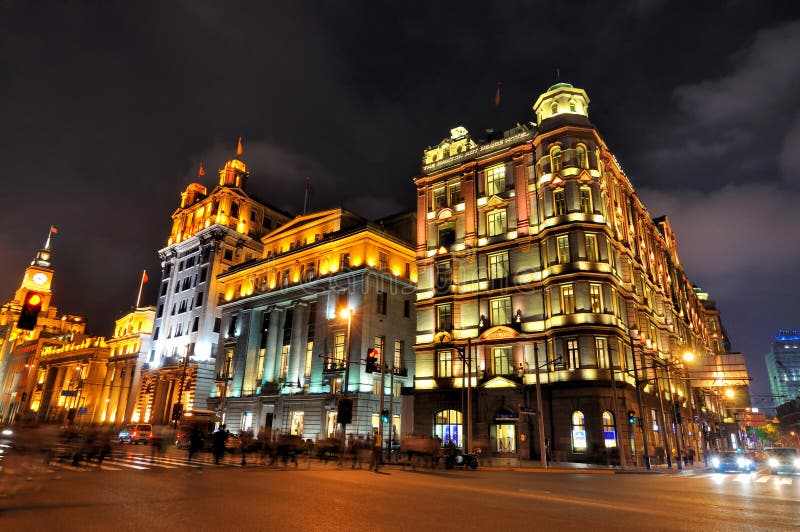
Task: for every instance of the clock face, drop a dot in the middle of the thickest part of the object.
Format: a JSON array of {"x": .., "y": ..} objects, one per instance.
[{"x": 39, "y": 278}]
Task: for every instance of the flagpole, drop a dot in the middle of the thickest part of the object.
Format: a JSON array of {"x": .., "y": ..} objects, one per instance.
[
  {"x": 305, "y": 197},
  {"x": 141, "y": 284}
]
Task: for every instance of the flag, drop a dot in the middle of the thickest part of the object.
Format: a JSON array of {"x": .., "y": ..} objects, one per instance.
[
  {"x": 53, "y": 229},
  {"x": 309, "y": 190},
  {"x": 497, "y": 95},
  {"x": 201, "y": 172},
  {"x": 239, "y": 147},
  {"x": 145, "y": 278}
]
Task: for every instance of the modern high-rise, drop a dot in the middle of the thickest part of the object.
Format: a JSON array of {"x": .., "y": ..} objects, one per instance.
[
  {"x": 211, "y": 232},
  {"x": 783, "y": 366},
  {"x": 538, "y": 263}
]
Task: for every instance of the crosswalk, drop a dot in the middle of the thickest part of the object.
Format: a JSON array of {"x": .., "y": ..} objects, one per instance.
[
  {"x": 137, "y": 461},
  {"x": 745, "y": 478}
]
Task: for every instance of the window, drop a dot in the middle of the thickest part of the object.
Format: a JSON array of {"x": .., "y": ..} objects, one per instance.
[
  {"x": 444, "y": 317},
  {"x": 444, "y": 363},
  {"x": 260, "y": 364},
  {"x": 228, "y": 255},
  {"x": 195, "y": 324},
  {"x": 501, "y": 360},
  {"x": 496, "y": 222},
  {"x": 447, "y": 235},
  {"x": 498, "y": 266},
  {"x": 199, "y": 300},
  {"x": 406, "y": 308},
  {"x": 559, "y": 202},
  {"x": 562, "y": 245},
  {"x": 217, "y": 323},
  {"x": 398, "y": 354},
  {"x": 338, "y": 347},
  {"x": 591, "y": 247},
  {"x": 455, "y": 194},
  {"x": 383, "y": 261},
  {"x": 247, "y": 421},
  {"x": 309, "y": 358},
  {"x": 160, "y": 311},
  {"x": 572, "y": 106},
  {"x": 234, "y": 210},
  {"x": 444, "y": 279},
  {"x": 583, "y": 161},
  {"x": 573, "y": 354},
  {"x": 554, "y": 108},
  {"x": 596, "y": 297},
  {"x": 447, "y": 426},
  {"x": 567, "y": 299},
  {"x": 232, "y": 325},
  {"x": 155, "y": 334},
  {"x": 284, "y": 369},
  {"x": 380, "y": 348},
  {"x": 252, "y": 216},
  {"x": 586, "y": 200},
  {"x": 296, "y": 428},
  {"x": 344, "y": 261},
  {"x": 609, "y": 432},
  {"x": 601, "y": 349},
  {"x": 203, "y": 273},
  {"x": 555, "y": 158},
  {"x": 578, "y": 432},
  {"x": 439, "y": 198},
  {"x": 500, "y": 310},
  {"x": 164, "y": 288},
  {"x": 495, "y": 180},
  {"x": 381, "y": 302}
]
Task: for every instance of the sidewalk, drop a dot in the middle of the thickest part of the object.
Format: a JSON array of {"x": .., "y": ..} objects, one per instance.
[{"x": 535, "y": 466}]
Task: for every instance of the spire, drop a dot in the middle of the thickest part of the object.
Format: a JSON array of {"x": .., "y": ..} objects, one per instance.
[
  {"x": 43, "y": 255},
  {"x": 201, "y": 172},
  {"x": 239, "y": 147}
]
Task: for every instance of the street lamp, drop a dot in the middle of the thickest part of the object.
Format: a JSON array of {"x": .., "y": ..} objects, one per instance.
[{"x": 346, "y": 313}]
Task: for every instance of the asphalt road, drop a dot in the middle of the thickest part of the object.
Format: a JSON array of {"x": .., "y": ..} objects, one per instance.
[{"x": 324, "y": 497}]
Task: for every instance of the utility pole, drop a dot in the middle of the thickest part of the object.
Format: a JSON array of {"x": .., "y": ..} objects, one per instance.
[
  {"x": 617, "y": 439},
  {"x": 636, "y": 382},
  {"x": 674, "y": 416},
  {"x": 378, "y": 444},
  {"x": 539, "y": 410}
]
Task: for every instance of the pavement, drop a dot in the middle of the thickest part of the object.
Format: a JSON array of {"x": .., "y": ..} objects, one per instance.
[{"x": 535, "y": 466}]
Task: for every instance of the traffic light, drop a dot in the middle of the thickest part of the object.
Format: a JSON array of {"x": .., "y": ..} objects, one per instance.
[
  {"x": 632, "y": 417},
  {"x": 372, "y": 361},
  {"x": 345, "y": 413},
  {"x": 385, "y": 416},
  {"x": 177, "y": 411},
  {"x": 30, "y": 311}
]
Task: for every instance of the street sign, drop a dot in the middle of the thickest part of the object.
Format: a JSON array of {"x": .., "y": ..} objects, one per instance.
[
  {"x": 69, "y": 393},
  {"x": 527, "y": 410},
  {"x": 83, "y": 410}
]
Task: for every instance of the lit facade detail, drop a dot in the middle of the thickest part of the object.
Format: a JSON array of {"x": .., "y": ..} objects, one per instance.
[
  {"x": 211, "y": 232},
  {"x": 281, "y": 357},
  {"x": 783, "y": 366},
  {"x": 532, "y": 245}
]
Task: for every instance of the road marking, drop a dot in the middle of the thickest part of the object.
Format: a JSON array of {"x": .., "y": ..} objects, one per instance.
[
  {"x": 762, "y": 480},
  {"x": 786, "y": 481}
]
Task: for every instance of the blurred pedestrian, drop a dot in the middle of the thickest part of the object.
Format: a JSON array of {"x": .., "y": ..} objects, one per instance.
[
  {"x": 195, "y": 441},
  {"x": 218, "y": 439}
]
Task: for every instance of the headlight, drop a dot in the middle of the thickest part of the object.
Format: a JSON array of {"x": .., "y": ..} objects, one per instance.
[
  {"x": 741, "y": 462},
  {"x": 797, "y": 463},
  {"x": 773, "y": 462},
  {"x": 7, "y": 432},
  {"x": 715, "y": 462}
]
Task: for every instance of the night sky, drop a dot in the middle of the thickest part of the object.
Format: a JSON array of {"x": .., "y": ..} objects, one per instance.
[{"x": 107, "y": 108}]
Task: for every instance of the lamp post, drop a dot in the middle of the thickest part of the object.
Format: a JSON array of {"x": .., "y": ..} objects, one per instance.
[
  {"x": 636, "y": 381},
  {"x": 674, "y": 416},
  {"x": 617, "y": 440},
  {"x": 347, "y": 313},
  {"x": 539, "y": 410}
]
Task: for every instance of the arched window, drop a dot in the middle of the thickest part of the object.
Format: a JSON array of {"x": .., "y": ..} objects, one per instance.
[
  {"x": 559, "y": 202},
  {"x": 572, "y": 106},
  {"x": 555, "y": 159},
  {"x": 609, "y": 432},
  {"x": 554, "y": 108},
  {"x": 583, "y": 162},
  {"x": 447, "y": 426},
  {"x": 578, "y": 432}
]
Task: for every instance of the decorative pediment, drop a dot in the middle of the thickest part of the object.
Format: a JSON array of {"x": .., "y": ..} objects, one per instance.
[
  {"x": 584, "y": 176},
  {"x": 500, "y": 332},
  {"x": 444, "y": 214},
  {"x": 500, "y": 382},
  {"x": 557, "y": 180},
  {"x": 494, "y": 202}
]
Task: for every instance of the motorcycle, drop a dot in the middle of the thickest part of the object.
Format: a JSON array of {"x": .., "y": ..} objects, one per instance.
[{"x": 459, "y": 459}]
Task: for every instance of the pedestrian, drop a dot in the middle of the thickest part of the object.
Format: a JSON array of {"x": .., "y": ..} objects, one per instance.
[
  {"x": 691, "y": 456},
  {"x": 218, "y": 439},
  {"x": 376, "y": 454},
  {"x": 195, "y": 441}
]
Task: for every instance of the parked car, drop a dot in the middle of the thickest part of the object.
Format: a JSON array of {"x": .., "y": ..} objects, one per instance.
[
  {"x": 783, "y": 460},
  {"x": 733, "y": 461},
  {"x": 136, "y": 434}
]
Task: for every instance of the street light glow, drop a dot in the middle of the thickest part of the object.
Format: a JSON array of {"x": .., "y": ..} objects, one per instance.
[
  {"x": 729, "y": 393},
  {"x": 688, "y": 356},
  {"x": 345, "y": 312}
]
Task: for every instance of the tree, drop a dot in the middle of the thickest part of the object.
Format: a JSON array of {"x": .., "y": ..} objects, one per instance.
[{"x": 768, "y": 434}]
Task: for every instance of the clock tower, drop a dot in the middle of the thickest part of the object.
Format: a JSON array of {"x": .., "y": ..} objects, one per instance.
[{"x": 38, "y": 276}]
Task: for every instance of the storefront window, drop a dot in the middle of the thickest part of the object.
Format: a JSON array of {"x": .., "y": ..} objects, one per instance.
[
  {"x": 504, "y": 438},
  {"x": 578, "y": 432},
  {"x": 609, "y": 434},
  {"x": 447, "y": 426}
]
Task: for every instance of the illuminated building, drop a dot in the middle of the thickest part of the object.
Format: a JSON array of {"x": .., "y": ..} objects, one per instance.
[
  {"x": 783, "y": 366},
  {"x": 211, "y": 232},
  {"x": 533, "y": 247},
  {"x": 94, "y": 379},
  {"x": 281, "y": 359},
  {"x": 20, "y": 349}
]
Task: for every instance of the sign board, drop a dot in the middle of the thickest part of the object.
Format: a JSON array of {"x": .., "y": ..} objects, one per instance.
[
  {"x": 83, "y": 410},
  {"x": 69, "y": 393},
  {"x": 527, "y": 410}
]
